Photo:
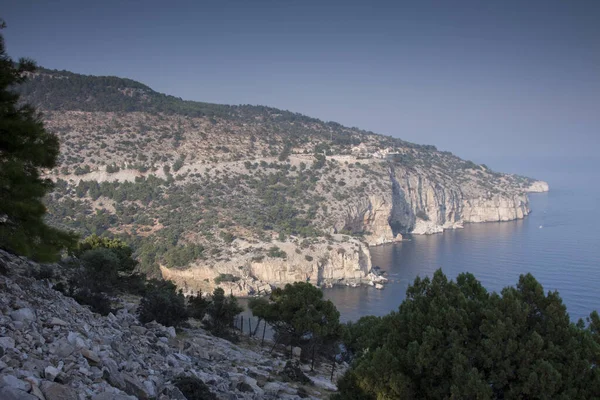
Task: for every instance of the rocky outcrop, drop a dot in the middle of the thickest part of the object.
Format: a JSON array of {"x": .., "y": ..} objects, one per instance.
[
  {"x": 371, "y": 214},
  {"x": 538, "y": 187},
  {"x": 53, "y": 348},
  {"x": 256, "y": 268}
]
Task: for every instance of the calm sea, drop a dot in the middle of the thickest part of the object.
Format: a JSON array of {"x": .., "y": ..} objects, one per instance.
[{"x": 559, "y": 243}]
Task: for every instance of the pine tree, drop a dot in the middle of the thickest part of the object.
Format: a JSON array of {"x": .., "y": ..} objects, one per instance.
[
  {"x": 454, "y": 340},
  {"x": 26, "y": 148}
]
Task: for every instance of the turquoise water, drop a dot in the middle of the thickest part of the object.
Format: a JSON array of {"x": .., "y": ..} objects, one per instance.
[{"x": 559, "y": 243}]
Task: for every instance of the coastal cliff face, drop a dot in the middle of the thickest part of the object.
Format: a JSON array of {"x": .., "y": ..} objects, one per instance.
[
  {"x": 246, "y": 197},
  {"x": 417, "y": 202},
  {"x": 342, "y": 262}
]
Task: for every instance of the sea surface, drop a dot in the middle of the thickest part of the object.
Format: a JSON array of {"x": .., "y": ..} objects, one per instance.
[{"x": 559, "y": 243}]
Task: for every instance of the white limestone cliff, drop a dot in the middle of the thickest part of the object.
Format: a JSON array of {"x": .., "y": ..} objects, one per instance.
[
  {"x": 538, "y": 187},
  {"x": 342, "y": 262},
  {"x": 417, "y": 203}
]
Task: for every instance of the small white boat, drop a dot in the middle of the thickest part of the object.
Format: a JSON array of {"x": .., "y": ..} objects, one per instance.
[{"x": 379, "y": 286}]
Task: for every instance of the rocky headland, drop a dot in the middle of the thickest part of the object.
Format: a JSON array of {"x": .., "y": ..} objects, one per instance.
[{"x": 249, "y": 196}]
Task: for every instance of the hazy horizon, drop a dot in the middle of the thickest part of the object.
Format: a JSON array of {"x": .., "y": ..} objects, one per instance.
[{"x": 486, "y": 82}]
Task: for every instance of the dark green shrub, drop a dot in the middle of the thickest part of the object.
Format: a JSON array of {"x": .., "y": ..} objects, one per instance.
[
  {"x": 111, "y": 169},
  {"x": 82, "y": 170},
  {"x": 163, "y": 304},
  {"x": 45, "y": 272},
  {"x": 102, "y": 267},
  {"x": 98, "y": 302},
  {"x": 197, "y": 306},
  {"x": 227, "y": 237},
  {"x": 276, "y": 252},
  {"x": 119, "y": 248},
  {"x": 193, "y": 388},
  {"x": 178, "y": 164},
  {"x": 134, "y": 284},
  {"x": 226, "y": 278}
]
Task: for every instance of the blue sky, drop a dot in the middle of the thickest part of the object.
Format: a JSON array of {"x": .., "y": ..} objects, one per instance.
[{"x": 487, "y": 80}]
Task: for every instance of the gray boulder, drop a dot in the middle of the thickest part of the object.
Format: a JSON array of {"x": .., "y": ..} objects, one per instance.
[
  {"x": 23, "y": 315},
  {"x": 10, "y": 393},
  {"x": 56, "y": 391},
  {"x": 112, "y": 396},
  {"x": 14, "y": 382},
  {"x": 7, "y": 343}
]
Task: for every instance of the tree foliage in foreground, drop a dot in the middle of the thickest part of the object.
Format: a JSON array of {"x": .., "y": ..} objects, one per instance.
[
  {"x": 26, "y": 148},
  {"x": 454, "y": 340},
  {"x": 298, "y": 315}
]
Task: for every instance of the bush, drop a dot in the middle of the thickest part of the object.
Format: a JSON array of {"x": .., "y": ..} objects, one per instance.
[
  {"x": 193, "y": 388},
  {"x": 82, "y": 170},
  {"x": 98, "y": 302},
  {"x": 102, "y": 267},
  {"x": 308, "y": 258},
  {"x": 118, "y": 247},
  {"x": 276, "y": 252},
  {"x": 111, "y": 169},
  {"x": 45, "y": 272},
  {"x": 178, "y": 164},
  {"x": 226, "y": 278},
  {"x": 134, "y": 284},
  {"x": 163, "y": 304},
  {"x": 227, "y": 237}
]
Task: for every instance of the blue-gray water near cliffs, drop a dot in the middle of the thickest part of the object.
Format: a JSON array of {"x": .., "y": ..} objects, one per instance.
[{"x": 559, "y": 243}]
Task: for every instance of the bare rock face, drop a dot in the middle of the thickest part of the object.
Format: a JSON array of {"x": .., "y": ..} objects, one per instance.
[
  {"x": 418, "y": 203},
  {"x": 345, "y": 261},
  {"x": 538, "y": 187},
  {"x": 372, "y": 214},
  {"x": 495, "y": 208}
]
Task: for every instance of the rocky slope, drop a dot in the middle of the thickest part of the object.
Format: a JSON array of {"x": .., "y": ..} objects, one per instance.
[
  {"x": 266, "y": 195},
  {"x": 51, "y": 348}
]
